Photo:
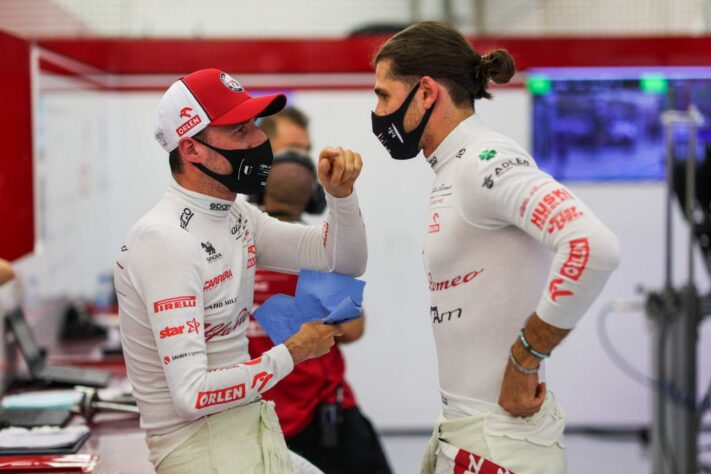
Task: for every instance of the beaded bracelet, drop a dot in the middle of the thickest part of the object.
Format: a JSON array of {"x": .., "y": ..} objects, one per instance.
[
  {"x": 521, "y": 368},
  {"x": 531, "y": 350}
]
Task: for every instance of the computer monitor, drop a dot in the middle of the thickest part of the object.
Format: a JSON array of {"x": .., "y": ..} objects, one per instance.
[
  {"x": 24, "y": 339},
  {"x": 7, "y": 351},
  {"x": 10, "y": 297},
  {"x": 34, "y": 358},
  {"x": 603, "y": 124}
]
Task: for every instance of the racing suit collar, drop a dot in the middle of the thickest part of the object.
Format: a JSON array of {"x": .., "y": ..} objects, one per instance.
[
  {"x": 453, "y": 144},
  {"x": 201, "y": 202}
]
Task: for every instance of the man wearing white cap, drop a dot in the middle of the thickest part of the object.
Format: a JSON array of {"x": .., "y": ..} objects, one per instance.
[{"x": 185, "y": 281}]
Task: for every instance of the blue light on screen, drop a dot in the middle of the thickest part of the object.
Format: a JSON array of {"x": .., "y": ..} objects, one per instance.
[{"x": 603, "y": 124}]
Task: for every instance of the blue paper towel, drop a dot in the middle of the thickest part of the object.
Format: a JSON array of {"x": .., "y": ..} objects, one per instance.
[{"x": 320, "y": 296}]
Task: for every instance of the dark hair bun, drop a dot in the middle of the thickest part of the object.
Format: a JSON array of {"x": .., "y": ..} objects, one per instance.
[{"x": 498, "y": 66}]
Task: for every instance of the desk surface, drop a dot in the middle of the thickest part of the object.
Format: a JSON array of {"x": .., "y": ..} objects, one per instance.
[
  {"x": 115, "y": 437},
  {"x": 120, "y": 443}
]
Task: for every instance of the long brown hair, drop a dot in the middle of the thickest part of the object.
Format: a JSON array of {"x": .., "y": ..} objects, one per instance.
[{"x": 435, "y": 49}]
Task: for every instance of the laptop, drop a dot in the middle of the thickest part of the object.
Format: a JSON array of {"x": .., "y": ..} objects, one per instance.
[
  {"x": 50, "y": 373},
  {"x": 34, "y": 417}
]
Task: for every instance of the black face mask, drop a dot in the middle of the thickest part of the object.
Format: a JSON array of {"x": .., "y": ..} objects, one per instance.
[
  {"x": 250, "y": 167},
  {"x": 390, "y": 130}
]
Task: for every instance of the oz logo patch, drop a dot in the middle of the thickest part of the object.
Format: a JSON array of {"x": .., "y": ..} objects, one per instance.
[
  {"x": 487, "y": 155},
  {"x": 231, "y": 83}
]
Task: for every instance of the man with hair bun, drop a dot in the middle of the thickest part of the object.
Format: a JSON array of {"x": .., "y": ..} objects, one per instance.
[{"x": 500, "y": 301}]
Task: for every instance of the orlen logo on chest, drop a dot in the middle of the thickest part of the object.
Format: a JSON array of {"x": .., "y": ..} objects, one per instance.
[
  {"x": 218, "y": 397},
  {"x": 174, "y": 303},
  {"x": 188, "y": 125},
  {"x": 434, "y": 227}
]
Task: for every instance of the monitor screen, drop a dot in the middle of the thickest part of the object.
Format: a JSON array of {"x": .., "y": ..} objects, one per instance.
[
  {"x": 600, "y": 124},
  {"x": 23, "y": 336}
]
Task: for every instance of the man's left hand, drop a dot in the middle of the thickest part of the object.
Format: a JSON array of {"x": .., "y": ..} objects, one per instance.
[
  {"x": 338, "y": 168},
  {"x": 521, "y": 394}
]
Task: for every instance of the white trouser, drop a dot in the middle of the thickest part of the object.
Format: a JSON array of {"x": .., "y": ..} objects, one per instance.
[
  {"x": 532, "y": 445},
  {"x": 245, "y": 439}
]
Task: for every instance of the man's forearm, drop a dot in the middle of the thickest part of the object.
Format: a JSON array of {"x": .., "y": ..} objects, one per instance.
[
  {"x": 298, "y": 350},
  {"x": 541, "y": 337},
  {"x": 344, "y": 236}
]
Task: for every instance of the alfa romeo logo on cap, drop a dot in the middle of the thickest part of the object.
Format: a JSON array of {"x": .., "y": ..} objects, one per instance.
[{"x": 231, "y": 83}]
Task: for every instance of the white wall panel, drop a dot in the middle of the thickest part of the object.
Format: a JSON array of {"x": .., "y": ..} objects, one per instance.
[
  {"x": 104, "y": 170},
  {"x": 72, "y": 188}
]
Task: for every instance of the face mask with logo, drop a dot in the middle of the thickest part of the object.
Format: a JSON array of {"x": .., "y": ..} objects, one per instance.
[
  {"x": 390, "y": 130},
  {"x": 250, "y": 167}
]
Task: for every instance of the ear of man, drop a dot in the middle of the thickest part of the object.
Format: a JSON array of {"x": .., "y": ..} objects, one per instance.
[
  {"x": 191, "y": 150},
  {"x": 430, "y": 90}
]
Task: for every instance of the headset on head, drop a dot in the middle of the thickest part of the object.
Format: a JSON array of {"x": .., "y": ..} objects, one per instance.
[{"x": 317, "y": 202}]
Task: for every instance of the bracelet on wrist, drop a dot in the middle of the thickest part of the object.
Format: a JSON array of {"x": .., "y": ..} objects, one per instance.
[
  {"x": 521, "y": 368},
  {"x": 531, "y": 350}
]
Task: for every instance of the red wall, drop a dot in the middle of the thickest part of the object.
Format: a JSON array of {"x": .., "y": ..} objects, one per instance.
[
  {"x": 169, "y": 56},
  {"x": 17, "y": 233}
]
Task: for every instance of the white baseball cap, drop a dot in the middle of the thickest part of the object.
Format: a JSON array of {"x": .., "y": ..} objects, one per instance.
[{"x": 207, "y": 97}]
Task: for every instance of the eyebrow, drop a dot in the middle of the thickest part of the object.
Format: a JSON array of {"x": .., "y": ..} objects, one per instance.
[
  {"x": 379, "y": 91},
  {"x": 298, "y": 145},
  {"x": 235, "y": 126}
]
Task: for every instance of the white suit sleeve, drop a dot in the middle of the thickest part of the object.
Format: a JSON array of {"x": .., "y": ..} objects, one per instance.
[
  {"x": 338, "y": 245},
  {"x": 510, "y": 190},
  {"x": 167, "y": 270}
]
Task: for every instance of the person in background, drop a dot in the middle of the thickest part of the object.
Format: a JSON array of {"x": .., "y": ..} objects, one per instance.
[
  {"x": 6, "y": 271},
  {"x": 289, "y": 129},
  {"x": 316, "y": 406},
  {"x": 498, "y": 304}
]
